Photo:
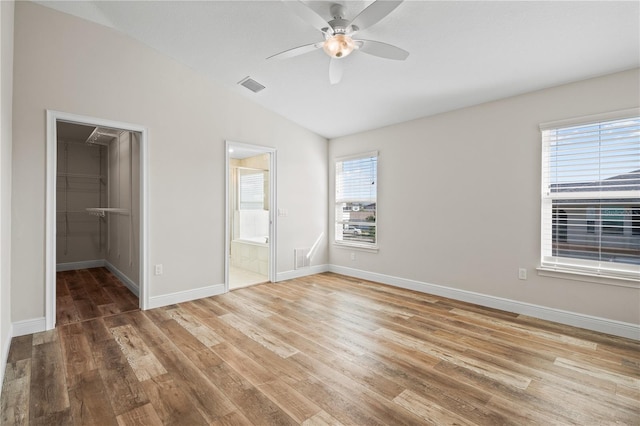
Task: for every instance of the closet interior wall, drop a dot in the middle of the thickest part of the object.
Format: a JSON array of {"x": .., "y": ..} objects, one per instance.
[
  {"x": 98, "y": 205},
  {"x": 81, "y": 184},
  {"x": 123, "y": 245}
]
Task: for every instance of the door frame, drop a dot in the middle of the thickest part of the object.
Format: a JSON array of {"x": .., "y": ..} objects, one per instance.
[
  {"x": 259, "y": 149},
  {"x": 50, "y": 222}
]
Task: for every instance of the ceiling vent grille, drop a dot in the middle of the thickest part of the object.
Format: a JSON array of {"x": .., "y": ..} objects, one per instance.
[{"x": 251, "y": 84}]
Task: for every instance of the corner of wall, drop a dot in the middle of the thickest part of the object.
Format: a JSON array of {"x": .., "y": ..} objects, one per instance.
[{"x": 6, "y": 141}]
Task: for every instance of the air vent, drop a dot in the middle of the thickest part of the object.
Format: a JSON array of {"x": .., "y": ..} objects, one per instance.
[
  {"x": 251, "y": 84},
  {"x": 301, "y": 258}
]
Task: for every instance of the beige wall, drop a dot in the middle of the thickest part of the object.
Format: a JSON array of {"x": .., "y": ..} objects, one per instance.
[
  {"x": 67, "y": 64},
  {"x": 6, "y": 99},
  {"x": 459, "y": 198}
]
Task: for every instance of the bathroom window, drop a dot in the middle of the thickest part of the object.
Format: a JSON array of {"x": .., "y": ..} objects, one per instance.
[
  {"x": 251, "y": 220},
  {"x": 251, "y": 189}
]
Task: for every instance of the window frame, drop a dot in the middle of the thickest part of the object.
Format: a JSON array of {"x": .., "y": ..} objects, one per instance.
[
  {"x": 565, "y": 267},
  {"x": 361, "y": 245}
]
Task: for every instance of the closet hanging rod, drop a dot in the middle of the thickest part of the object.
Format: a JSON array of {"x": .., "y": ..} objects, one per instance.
[{"x": 71, "y": 212}]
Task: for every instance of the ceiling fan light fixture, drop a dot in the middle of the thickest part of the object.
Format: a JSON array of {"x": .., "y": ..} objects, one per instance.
[{"x": 339, "y": 46}]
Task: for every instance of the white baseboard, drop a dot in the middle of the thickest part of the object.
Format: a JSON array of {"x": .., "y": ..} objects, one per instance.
[
  {"x": 30, "y": 326},
  {"x": 302, "y": 272},
  {"x": 185, "y": 296},
  {"x": 133, "y": 287},
  {"x": 72, "y": 266},
  {"x": 603, "y": 325}
]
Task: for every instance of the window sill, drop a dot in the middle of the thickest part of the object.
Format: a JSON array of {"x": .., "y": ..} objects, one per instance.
[
  {"x": 584, "y": 276},
  {"x": 359, "y": 247}
]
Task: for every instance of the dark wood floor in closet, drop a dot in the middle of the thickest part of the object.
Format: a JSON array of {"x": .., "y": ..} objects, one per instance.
[{"x": 90, "y": 293}]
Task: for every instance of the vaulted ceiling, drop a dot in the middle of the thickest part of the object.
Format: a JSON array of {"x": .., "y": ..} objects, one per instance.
[{"x": 462, "y": 53}]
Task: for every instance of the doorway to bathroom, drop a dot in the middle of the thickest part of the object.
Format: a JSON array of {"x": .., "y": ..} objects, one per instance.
[{"x": 250, "y": 229}]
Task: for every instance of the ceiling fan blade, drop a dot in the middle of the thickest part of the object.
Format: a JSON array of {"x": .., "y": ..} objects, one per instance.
[
  {"x": 335, "y": 70},
  {"x": 309, "y": 15},
  {"x": 374, "y": 13},
  {"x": 296, "y": 51},
  {"x": 383, "y": 50}
]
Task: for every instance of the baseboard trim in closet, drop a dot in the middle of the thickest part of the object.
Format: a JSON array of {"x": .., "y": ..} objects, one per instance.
[
  {"x": 86, "y": 264},
  {"x": 133, "y": 287}
]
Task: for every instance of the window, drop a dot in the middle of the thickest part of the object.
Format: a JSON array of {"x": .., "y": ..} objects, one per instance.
[
  {"x": 356, "y": 197},
  {"x": 591, "y": 196},
  {"x": 251, "y": 220},
  {"x": 252, "y": 193}
]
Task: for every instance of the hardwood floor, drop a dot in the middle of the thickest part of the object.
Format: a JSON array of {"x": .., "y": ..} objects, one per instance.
[
  {"x": 321, "y": 350},
  {"x": 90, "y": 293}
]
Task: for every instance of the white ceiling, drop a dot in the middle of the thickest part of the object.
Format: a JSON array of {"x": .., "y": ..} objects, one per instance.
[{"x": 462, "y": 53}]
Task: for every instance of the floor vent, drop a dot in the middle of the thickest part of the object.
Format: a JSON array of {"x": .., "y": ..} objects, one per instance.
[{"x": 302, "y": 258}]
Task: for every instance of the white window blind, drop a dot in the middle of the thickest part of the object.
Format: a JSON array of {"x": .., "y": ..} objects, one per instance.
[
  {"x": 591, "y": 198},
  {"x": 356, "y": 200},
  {"x": 251, "y": 189}
]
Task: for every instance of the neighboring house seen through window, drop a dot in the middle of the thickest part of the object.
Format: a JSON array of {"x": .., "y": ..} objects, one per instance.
[
  {"x": 591, "y": 196},
  {"x": 356, "y": 197}
]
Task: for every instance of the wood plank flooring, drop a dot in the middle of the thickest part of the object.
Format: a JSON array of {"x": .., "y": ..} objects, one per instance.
[
  {"x": 90, "y": 293},
  {"x": 321, "y": 350}
]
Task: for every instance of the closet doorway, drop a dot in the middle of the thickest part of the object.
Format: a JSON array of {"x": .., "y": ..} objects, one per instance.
[
  {"x": 250, "y": 206},
  {"x": 96, "y": 244}
]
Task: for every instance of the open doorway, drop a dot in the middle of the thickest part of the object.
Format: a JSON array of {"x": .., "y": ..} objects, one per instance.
[
  {"x": 96, "y": 239},
  {"x": 250, "y": 244}
]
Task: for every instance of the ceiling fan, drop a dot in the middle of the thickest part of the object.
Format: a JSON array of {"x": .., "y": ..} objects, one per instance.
[{"x": 338, "y": 34}]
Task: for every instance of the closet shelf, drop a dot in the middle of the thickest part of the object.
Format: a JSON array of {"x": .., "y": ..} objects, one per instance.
[{"x": 102, "y": 211}]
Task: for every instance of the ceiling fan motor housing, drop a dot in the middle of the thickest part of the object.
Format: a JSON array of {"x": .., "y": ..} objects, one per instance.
[
  {"x": 339, "y": 25},
  {"x": 338, "y": 43}
]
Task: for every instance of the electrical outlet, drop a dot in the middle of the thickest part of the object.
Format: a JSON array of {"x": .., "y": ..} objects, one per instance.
[
  {"x": 522, "y": 274},
  {"x": 159, "y": 269},
  {"x": 353, "y": 256}
]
